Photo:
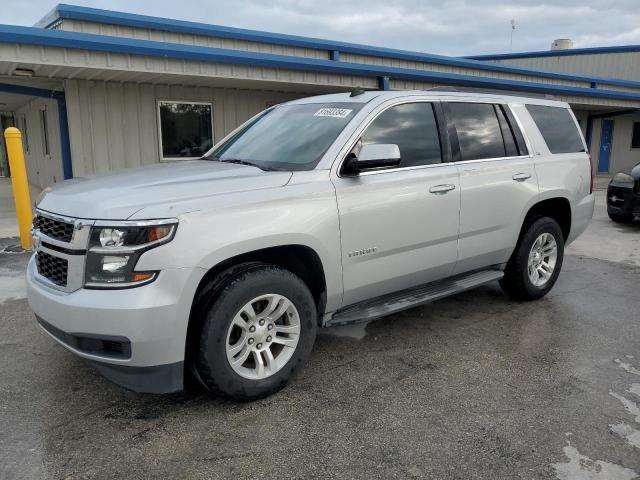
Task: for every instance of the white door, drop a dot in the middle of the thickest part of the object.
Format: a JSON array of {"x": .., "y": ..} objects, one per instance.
[
  {"x": 399, "y": 227},
  {"x": 497, "y": 182}
]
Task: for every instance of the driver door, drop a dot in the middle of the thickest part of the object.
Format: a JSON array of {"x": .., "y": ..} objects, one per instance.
[{"x": 399, "y": 227}]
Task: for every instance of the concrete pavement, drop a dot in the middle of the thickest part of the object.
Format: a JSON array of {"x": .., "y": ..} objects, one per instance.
[{"x": 472, "y": 387}]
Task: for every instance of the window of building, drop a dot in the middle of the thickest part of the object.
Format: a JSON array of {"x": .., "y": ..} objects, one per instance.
[
  {"x": 44, "y": 126},
  {"x": 186, "y": 129},
  {"x": 635, "y": 137},
  {"x": 478, "y": 129},
  {"x": 558, "y": 129},
  {"x": 413, "y": 127},
  {"x": 25, "y": 133}
]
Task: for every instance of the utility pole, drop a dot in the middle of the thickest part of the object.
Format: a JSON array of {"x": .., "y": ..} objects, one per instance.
[{"x": 513, "y": 27}]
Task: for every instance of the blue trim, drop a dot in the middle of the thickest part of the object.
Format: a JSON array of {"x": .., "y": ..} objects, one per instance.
[
  {"x": 65, "y": 145},
  {"x": 559, "y": 53},
  {"x": 96, "y": 15},
  {"x": 62, "y": 39}
]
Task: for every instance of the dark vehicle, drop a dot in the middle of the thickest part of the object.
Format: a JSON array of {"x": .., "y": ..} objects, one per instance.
[{"x": 623, "y": 195}]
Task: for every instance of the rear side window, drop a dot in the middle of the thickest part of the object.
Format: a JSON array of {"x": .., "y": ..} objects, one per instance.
[
  {"x": 479, "y": 132},
  {"x": 411, "y": 126},
  {"x": 558, "y": 129}
]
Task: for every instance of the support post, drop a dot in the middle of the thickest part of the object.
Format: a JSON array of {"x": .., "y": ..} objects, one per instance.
[{"x": 20, "y": 184}]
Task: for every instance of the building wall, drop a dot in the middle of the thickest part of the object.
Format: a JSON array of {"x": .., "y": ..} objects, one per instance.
[
  {"x": 624, "y": 65},
  {"x": 622, "y": 155},
  {"x": 42, "y": 170},
  {"x": 115, "y": 125}
]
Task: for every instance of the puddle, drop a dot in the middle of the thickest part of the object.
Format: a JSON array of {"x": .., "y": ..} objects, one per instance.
[
  {"x": 627, "y": 432},
  {"x": 357, "y": 331},
  {"x": 627, "y": 366},
  {"x": 12, "y": 285},
  {"x": 630, "y": 406},
  {"x": 581, "y": 467}
]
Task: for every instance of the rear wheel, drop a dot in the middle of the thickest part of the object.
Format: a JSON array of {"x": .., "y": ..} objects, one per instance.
[
  {"x": 535, "y": 264},
  {"x": 256, "y": 334},
  {"x": 618, "y": 218}
]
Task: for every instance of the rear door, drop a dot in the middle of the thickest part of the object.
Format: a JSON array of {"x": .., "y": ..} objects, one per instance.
[
  {"x": 399, "y": 227},
  {"x": 497, "y": 180}
]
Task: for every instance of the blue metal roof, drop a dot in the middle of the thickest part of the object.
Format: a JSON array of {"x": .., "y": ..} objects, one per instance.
[
  {"x": 74, "y": 12},
  {"x": 558, "y": 53},
  {"x": 57, "y": 38}
]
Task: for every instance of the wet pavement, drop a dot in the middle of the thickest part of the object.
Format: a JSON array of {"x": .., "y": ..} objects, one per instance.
[{"x": 474, "y": 386}]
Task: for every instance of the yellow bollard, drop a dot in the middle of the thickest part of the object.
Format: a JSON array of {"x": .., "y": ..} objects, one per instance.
[{"x": 20, "y": 185}]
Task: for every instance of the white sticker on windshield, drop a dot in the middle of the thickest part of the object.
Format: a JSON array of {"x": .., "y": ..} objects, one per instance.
[{"x": 333, "y": 112}]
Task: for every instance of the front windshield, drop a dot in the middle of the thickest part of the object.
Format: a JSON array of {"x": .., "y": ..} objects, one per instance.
[{"x": 287, "y": 137}]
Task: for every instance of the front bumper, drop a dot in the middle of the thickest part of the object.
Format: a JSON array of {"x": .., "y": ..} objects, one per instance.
[
  {"x": 623, "y": 200},
  {"x": 135, "y": 337}
]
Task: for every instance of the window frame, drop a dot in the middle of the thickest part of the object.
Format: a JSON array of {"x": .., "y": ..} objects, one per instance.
[
  {"x": 159, "y": 102},
  {"x": 633, "y": 127},
  {"x": 445, "y": 148},
  {"x": 510, "y": 116}
]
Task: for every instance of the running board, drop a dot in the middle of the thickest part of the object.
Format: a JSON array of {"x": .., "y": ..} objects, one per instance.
[{"x": 396, "y": 302}]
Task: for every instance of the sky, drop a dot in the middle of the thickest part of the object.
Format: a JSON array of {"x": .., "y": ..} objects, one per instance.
[{"x": 456, "y": 27}]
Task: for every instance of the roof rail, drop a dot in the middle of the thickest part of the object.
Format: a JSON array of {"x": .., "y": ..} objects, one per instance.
[{"x": 513, "y": 93}]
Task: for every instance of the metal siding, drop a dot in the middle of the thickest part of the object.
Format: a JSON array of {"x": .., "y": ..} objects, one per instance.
[
  {"x": 189, "y": 39},
  {"x": 115, "y": 125},
  {"x": 623, "y": 65}
]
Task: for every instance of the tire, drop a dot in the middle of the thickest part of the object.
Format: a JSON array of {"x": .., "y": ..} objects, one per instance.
[
  {"x": 223, "y": 332},
  {"x": 618, "y": 218},
  {"x": 517, "y": 281}
]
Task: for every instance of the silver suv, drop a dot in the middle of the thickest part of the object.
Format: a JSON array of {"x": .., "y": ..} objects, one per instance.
[{"x": 321, "y": 211}]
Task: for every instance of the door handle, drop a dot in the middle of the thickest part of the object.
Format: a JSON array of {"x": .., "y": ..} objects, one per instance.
[
  {"x": 442, "y": 189},
  {"x": 521, "y": 177}
]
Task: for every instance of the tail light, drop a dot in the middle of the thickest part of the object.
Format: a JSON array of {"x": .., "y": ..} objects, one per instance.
[{"x": 590, "y": 173}]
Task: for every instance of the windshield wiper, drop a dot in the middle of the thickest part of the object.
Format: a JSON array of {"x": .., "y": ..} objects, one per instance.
[{"x": 242, "y": 162}]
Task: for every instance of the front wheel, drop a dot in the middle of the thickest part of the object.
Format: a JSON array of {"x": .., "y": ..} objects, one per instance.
[
  {"x": 256, "y": 334},
  {"x": 535, "y": 264}
]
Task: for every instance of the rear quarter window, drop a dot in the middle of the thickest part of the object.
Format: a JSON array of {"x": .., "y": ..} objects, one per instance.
[{"x": 558, "y": 128}]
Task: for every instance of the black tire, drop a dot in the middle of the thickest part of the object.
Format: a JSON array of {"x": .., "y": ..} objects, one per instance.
[
  {"x": 619, "y": 218},
  {"x": 516, "y": 282},
  {"x": 211, "y": 365}
]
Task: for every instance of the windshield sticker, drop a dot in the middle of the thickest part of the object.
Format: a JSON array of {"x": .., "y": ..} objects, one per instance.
[{"x": 333, "y": 112}]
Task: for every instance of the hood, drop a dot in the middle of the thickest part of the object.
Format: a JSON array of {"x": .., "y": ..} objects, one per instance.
[{"x": 119, "y": 195}]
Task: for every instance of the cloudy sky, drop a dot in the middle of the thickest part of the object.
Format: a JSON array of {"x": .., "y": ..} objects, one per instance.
[{"x": 456, "y": 27}]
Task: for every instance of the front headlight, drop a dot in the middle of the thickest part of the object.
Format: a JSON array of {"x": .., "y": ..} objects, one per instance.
[
  {"x": 622, "y": 178},
  {"x": 115, "y": 249}
]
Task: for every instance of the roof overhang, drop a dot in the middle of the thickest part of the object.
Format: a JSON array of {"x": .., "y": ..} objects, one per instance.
[{"x": 62, "y": 54}]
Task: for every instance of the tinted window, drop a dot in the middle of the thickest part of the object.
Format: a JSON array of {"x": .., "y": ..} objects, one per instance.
[
  {"x": 288, "y": 137},
  {"x": 635, "y": 139},
  {"x": 507, "y": 135},
  {"x": 412, "y": 126},
  {"x": 479, "y": 133},
  {"x": 185, "y": 129},
  {"x": 557, "y": 128}
]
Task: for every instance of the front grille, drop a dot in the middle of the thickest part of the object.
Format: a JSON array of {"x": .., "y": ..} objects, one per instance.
[
  {"x": 54, "y": 228},
  {"x": 54, "y": 269}
]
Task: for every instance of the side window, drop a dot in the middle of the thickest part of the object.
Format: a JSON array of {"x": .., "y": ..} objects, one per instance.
[
  {"x": 413, "y": 127},
  {"x": 635, "y": 137},
  {"x": 510, "y": 147},
  {"x": 478, "y": 129},
  {"x": 558, "y": 129}
]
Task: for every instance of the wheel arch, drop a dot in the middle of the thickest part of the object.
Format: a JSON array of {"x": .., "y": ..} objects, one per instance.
[
  {"x": 557, "y": 207},
  {"x": 299, "y": 259}
]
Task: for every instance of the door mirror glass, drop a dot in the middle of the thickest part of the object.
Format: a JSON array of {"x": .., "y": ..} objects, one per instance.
[{"x": 373, "y": 156}]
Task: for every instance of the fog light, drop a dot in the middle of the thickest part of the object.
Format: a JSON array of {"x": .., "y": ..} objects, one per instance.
[{"x": 112, "y": 264}]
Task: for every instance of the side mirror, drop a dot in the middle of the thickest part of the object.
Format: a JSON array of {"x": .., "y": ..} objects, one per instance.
[{"x": 373, "y": 157}]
